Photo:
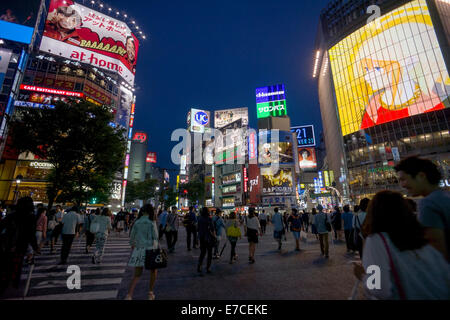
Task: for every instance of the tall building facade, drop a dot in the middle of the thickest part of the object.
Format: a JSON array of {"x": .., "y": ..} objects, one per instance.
[
  {"x": 95, "y": 61},
  {"x": 384, "y": 89}
]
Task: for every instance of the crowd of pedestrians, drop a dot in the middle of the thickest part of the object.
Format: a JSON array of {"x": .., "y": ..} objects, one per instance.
[{"x": 409, "y": 243}]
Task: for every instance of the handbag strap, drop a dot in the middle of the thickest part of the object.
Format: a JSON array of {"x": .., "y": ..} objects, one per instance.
[{"x": 394, "y": 270}]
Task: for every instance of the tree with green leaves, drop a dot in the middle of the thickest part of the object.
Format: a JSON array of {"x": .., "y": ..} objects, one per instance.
[
  {"x": 141, "y": 190},
  {"x": 78, "y": 139},
  {"x": 195, "y": 191}
]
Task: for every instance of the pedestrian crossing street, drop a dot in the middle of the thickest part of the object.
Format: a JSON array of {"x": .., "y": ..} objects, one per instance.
[{"x": 98, "y": 281}]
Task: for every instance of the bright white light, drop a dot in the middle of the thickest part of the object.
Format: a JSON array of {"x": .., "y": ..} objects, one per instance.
[
  {"x": 92, "y": 1},
  {"x": 125, "y": 15},
  {"x": 1, "y": 41},
  {"x": 109, "y": 9},
  {"x": 137, "y": 27},
  {"x": 316, "y": 63},
  {"x": 133, "y": 22},
  {"x": 117, "y": 12},
  {"x": 143, "y": 37},
  {"x": 101, "y": 5}
]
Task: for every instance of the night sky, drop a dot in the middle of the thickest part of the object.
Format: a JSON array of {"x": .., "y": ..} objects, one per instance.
[{"x": 213, "y": 54}]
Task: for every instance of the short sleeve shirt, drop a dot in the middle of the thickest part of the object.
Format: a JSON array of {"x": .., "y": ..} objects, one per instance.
[{"x": 433, "y": 208}]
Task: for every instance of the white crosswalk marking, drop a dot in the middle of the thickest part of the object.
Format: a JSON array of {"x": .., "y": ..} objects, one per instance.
[{"x": 98, "y": 281}]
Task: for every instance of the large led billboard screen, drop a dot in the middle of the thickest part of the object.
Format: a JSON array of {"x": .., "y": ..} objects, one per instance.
[
  {"x": 225, "y": 117},
  {"x": 80, "y": 33},
  {"x": 307, "y": 159},
  {"x": 305, "y": 135},
  {"x": 17, "y": 19},
  {"x": 392, "y": 68},
  {"x": 278, "y": 182},
  {"x": 275, "y": 150}
]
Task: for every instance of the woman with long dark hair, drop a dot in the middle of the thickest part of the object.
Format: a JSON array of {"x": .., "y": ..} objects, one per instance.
[
  {"x": 17, "y": 232},
  {"x": 143, "y": 237},
  {"x": 409, "y": 268}
]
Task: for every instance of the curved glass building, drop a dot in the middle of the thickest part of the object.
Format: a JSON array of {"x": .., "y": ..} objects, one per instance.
[{"x": 384, "y": 87}]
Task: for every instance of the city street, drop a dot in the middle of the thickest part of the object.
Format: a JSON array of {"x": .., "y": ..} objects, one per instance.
[{"x": 288, "y": 275}]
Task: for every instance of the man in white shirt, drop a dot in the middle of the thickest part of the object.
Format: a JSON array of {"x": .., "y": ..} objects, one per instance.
[{"x": 70, "y": 222}]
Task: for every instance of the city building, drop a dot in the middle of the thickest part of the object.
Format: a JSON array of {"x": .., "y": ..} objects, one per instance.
[
  {"x": 51, "y": 68},
  {"x": 383, "y": 88}
]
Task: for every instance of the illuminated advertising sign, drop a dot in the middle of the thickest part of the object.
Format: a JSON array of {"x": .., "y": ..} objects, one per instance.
[
  {"x": 199, "y": 120},
  {"x": 270, "y": 93},
  {"x": 326, "y": 178},
  {"x": 305, "y": 135},
  {"x": 391, "y": 68},
  {"x": 17, "y": 19},
  {"x": 271, "y": 101},
  {"x": 52, "y": 91},
  {"x": 245, "y": 179},
  {"x": 80, "y": 33},
  {"x": 151, "y": 157},
  {"x": 42, "y": 98},
  {"x": 34, "y": 105},
  {"x": 225, "y": 117},
  {"x": 140, "y": 137},
  {"x": 183, "y": 162},
  {"x": 271, "y": 151},
  {"x": 279, "y": 181},
  {"x": 122, "y": 113},
  {"x": 5, "y": 56},
  {"x": 307, "y": 159},
  {"x": 166, "y": 176},
  {"x": 231, "y": 178},
  {"x": 254, "y": 183},
  {"x": 252, "y": 145}
]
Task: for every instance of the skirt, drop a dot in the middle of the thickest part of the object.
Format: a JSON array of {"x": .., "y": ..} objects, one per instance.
[
  {"x": 252, "y": 235},
  {"x": 137, "y": 258}
]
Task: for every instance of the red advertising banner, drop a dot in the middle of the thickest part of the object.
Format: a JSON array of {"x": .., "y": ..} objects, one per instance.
[
  {"x": 51, "y": 91},
  {"x": 151, "y": 157},
  {"x": 254, "y": 183},
  {"x": 80, "y": 33}
]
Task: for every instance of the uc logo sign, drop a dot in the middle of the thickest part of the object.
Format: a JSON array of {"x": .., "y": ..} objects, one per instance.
[{"x": 201, "y": 118}]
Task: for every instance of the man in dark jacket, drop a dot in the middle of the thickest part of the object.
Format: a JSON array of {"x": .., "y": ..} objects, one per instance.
[{"x": 190, "y": 222}]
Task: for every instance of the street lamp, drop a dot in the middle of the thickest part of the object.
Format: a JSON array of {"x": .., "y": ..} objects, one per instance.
[{"x": 16, "y": 191}]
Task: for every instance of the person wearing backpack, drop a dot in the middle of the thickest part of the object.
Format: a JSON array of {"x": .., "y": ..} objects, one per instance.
[
  {"x": 17, "y": 232},
  {"x": 358, "y": 220},
  {"x": 233, "y": 234},
  {"x": 219, "y": 225},
  {"x": 295, "y": 222}
]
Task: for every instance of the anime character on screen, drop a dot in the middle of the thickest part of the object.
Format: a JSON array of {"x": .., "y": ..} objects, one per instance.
[
  {"x": 63, "y": 24},
  {"x": 405, "y": 77}
]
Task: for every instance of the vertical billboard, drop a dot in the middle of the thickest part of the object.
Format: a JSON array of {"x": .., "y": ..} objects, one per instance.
[
  {"x": 5, "y": 56},
  {"x": 80, "y": 33},
  {"x": 390, "y": 69},
  {"x": 254, "y": 183},
  {"x": 271, "y": 101},
  {"x": 307, "y": 159},
  {"x": 122, "y": 113},
  {"x": 225, "y": 117},
  {"x": 199, "y": 120},
  {"x": 17, "y": 19}
]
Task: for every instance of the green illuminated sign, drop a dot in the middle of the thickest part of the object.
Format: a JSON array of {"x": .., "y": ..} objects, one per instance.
[{"x": 271, "y": 109}]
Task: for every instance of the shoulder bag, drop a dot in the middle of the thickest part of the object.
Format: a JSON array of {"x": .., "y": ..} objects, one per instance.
[
  {"x": 401, "y": 292},
  {"x": 155, "y": 258}
]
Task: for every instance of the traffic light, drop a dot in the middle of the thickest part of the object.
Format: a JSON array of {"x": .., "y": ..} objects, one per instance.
[{"x": 93, "y": 200}]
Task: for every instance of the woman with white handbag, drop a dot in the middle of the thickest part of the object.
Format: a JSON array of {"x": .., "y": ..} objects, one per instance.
[
  {"x": 143, "y": 239},
  {"x": 100, "y": 226}
]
